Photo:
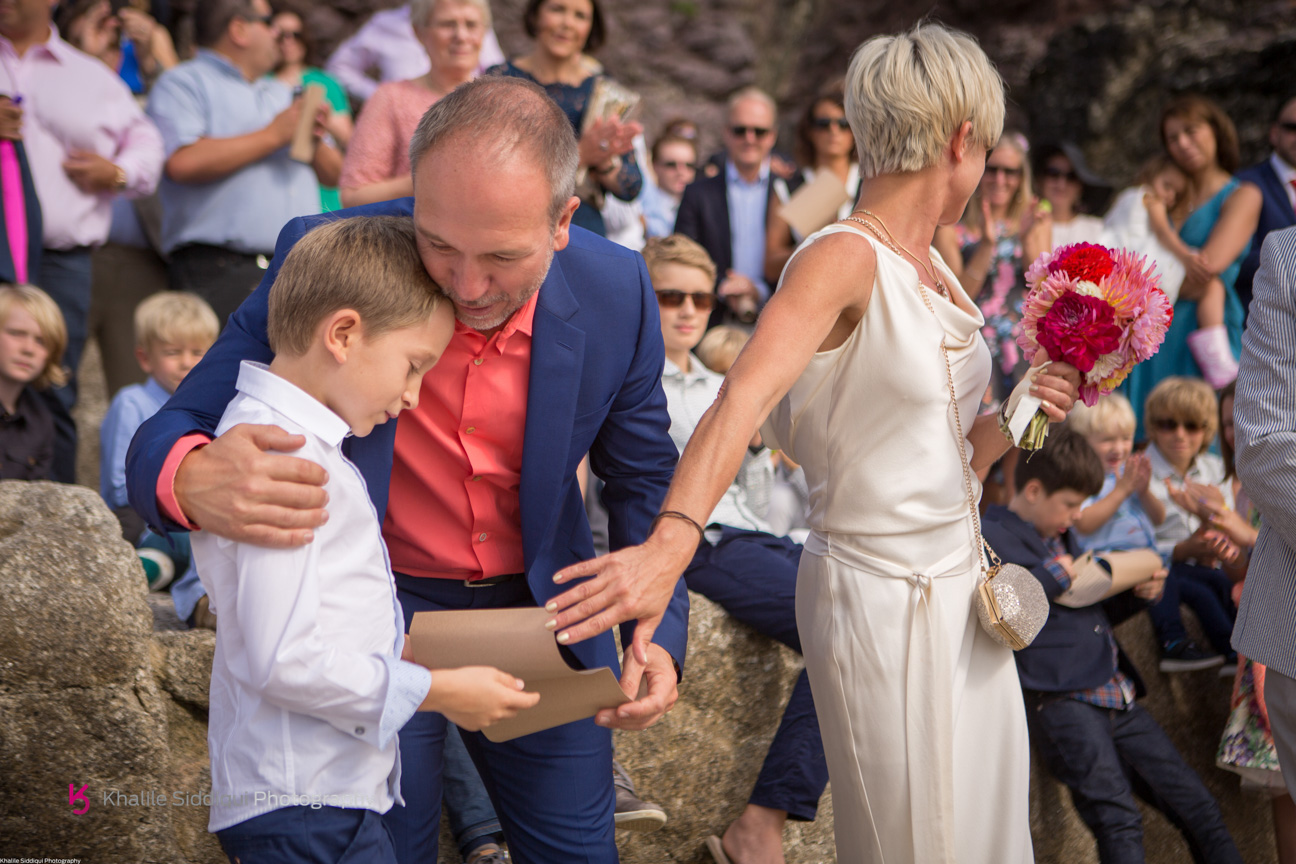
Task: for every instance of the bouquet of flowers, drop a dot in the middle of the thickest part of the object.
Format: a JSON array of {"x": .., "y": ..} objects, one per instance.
[{"x": 1101, "y": 310}]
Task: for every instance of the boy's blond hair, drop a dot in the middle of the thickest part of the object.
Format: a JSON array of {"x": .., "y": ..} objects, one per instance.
[
  {"x": 175, "y": 318},
  {"x": 677, "y": 249},
  {"x": 720, "y": 347},
  {"x": 1113, "y": 414},
  {"x": 49, "y": 319},
  {"x": 1184, "y": 399},
  {"x": 367, "y": 263}
]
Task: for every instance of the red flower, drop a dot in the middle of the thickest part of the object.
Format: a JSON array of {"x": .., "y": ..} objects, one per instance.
[
  {"x": 1085, "y": 262},
  {"x": 1078, "y": 330}
]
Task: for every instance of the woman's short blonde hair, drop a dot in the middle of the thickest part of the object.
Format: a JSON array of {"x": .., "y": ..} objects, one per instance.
[
  {"x": 907, "y": 94},
  {"x": 1112, "y": 415},
  {"x": 421, "y": 11},
  {"x": 721, "y": 346},
  {"x": 175, "y": 318},
  {"x": 1187, "y": 400},
  {"x": 49, "y": 319},
  {"x": 677, "y": 249}
]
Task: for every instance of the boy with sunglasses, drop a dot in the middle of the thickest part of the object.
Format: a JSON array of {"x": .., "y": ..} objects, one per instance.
[
  {"x": 739, "y": 564},
  {"x": 1181, "y": 418}
]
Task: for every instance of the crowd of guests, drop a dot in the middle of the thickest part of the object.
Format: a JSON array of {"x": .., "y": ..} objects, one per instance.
[{"x": 143, "y": 195}]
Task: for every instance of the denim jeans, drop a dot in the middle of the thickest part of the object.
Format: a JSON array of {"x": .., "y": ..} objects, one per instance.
[
  {"x": 468, "y": 807},
  {"x": 1106, "y": 757},
  {"x": 1204, "y": 590}
]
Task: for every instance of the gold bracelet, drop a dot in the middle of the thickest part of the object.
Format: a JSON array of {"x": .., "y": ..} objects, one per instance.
[{"x": 675, "y": 514}]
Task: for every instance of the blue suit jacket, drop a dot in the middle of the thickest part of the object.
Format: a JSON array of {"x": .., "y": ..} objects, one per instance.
[
  {"x": 595, "y": 386},
  {"x": 1275, "y": 213},
  {"x": 1072, "y": 651}
]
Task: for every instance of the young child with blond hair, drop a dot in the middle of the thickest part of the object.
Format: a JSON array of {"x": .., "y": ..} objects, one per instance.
[
  {"x": 33, "y": 337},
  {"x": 173, "y": 330},
  {"x": 310, "y": 681}
]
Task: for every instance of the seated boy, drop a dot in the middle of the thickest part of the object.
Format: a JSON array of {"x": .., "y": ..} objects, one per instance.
[
  {"x": 739, "y": 564},
  {"x": 1078, "y": 684},
  {"x": 309, "y": 682},
  {"x": 173, "y": 330},
  {"x": 1127, "y": 512}
]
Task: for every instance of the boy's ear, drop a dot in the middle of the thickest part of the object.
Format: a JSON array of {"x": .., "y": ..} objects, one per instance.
[
  {"x": 1033, "y": 491},
  {"x": 142, "y": 358},
  {"x": 342, "y": 329}
]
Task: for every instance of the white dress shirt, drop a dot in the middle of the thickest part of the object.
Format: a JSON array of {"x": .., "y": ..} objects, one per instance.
[
  {"x": 1208, "y": 470},
  {"x": 688, "y": 396},
  {"x": 307, "y": 691}
]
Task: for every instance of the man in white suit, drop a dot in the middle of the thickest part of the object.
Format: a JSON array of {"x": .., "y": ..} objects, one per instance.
[{"x": 1265, "y": 414}]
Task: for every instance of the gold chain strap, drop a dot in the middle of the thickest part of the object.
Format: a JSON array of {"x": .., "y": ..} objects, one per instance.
[{"x": 958, "y": 420}]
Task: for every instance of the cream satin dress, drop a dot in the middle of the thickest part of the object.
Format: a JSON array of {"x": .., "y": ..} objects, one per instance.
[{"x": 921, "y": 712}]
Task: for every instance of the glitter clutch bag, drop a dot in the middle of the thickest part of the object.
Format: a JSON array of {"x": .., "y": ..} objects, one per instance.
[{"x": 1011, "y": 604}]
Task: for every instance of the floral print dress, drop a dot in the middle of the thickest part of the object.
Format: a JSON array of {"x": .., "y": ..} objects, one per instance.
[{"x": 1001, "y": 300}]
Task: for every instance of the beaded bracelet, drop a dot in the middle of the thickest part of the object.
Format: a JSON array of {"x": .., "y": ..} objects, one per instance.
[{"x": 675, "y": 514}]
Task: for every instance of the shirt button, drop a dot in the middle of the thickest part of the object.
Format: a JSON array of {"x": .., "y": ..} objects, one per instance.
[
  {"x": 482, "y": 536},
  {"x": 359, "y": 730},
  {"x": 477, "y": 362},
  {"x": 472, "y": 429},
  {"x": 1097, "y": 628}
]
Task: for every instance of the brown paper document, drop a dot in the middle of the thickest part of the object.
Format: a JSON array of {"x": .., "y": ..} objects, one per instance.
[
  {"x": 516, "y": 641},
  {"x": 1093, "y": 583},
  {"x": 303, "y": 140},
  {"x": 815, "y": 204}
]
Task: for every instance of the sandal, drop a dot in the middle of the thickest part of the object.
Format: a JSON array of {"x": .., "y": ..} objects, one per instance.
[{"x": 716, "y": 848}]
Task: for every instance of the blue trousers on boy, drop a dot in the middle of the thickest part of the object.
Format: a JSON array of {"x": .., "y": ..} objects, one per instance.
[
  {"x": 752, "y": 575},
  {"x": 309, "y": 835},
  {"x": 1207, "y": 591},
  {"x": 1106, "y": 756}
]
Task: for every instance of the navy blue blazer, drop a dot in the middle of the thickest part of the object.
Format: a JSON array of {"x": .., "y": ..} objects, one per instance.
[
  {"x": 595, "y": 386},
  {"x": 1072, "y": 651},
  {"x": 1275, "y": 212}
]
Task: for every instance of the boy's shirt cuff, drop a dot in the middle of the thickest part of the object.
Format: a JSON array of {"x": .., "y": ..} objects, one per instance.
[
  {"x": 1058, "y": 572},
  {"x": 168, "y": 504},
  {"x": 407, "y": 687}
]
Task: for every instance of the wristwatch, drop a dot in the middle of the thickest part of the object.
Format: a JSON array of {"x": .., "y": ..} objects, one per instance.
[{"x": 119, "y": 183}]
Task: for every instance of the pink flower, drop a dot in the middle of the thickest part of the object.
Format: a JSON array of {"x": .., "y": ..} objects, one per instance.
[{"x": 1078, "y": 330}]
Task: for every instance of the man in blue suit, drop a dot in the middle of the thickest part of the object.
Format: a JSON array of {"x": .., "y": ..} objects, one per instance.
[
  {"x": 1276, "y": 177},
  {"x": 495, "y": 165}
]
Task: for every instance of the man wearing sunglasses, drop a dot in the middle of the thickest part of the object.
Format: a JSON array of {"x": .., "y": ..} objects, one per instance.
[
  {"x": 726, "y": 213},
  {"x": 1276, "y": 177},
  {"x": 229, "y": 184}
]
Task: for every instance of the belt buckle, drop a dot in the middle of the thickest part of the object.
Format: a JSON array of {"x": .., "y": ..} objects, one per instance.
[{"x": 487, "y": 583}]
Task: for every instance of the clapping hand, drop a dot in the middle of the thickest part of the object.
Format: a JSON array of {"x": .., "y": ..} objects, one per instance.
[
  {"x": 606, "y": 137},
  {"x": 1198, "y": 499},
  {"x": 1137, "y": 474}
]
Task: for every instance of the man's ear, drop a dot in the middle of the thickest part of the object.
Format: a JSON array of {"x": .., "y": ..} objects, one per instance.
[
  {"x": 342, "y": 330},
  {"x": 562, "y": 230}
]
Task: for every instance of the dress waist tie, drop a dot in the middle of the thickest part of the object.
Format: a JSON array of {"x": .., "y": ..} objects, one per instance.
[{"x": 929, "y": 684}]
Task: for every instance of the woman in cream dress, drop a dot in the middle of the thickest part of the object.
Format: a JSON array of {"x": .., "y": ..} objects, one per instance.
[{"x": 921, "y": 711}]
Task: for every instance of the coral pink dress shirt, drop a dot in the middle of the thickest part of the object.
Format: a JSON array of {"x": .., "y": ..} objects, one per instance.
[
  {"x": 72, "y": 101},
  {"x": 454, "y": 510}
]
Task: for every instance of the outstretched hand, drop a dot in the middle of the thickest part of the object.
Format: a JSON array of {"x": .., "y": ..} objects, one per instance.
[{"x": 632, "y": 584}]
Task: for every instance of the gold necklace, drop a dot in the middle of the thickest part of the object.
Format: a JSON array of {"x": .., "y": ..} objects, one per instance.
[{"x": 889, "y": 239}]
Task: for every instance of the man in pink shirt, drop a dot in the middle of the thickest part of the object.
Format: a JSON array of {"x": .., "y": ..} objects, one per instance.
[
  {"x": 557, "y": 354},
  {"x": 87, "y": 141}
]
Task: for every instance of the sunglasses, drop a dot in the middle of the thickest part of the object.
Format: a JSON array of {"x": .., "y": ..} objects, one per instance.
[
  {"x": 741, "y": 131},
  {"x": 702, "y": 300},
  {"x": 285, "y": 35},
  {"x": 992, "y": 170},
  {"x": 258, "y": 19},
  {"x": 692, "y": 166},
  {"x": 828, "y": 122},
  {"x": 1060, "y": 174},
  {"x": 1189, "y": 426}
]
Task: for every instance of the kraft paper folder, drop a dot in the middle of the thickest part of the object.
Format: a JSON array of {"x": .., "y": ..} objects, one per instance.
[
  {"x": 1093, "y": 582},
  {"x": 303, "y": 140},
  {"x": 515, "y": 641},
  {"x": 815, "y": 204}
]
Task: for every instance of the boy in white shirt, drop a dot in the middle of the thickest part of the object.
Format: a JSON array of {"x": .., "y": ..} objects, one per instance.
[{"x": 310, "y": 681}]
